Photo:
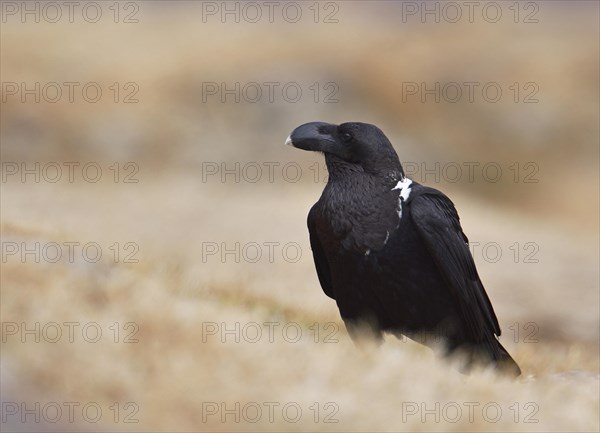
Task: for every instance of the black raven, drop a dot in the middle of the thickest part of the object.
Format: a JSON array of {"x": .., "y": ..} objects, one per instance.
[{"x": 391, "y": 252}]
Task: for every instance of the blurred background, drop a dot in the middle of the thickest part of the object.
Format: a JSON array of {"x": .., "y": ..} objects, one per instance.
[{"x": 154, "y": 224}]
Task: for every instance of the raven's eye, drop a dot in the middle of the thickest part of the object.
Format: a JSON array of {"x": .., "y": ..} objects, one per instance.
[{"x": 346, "y": 137}]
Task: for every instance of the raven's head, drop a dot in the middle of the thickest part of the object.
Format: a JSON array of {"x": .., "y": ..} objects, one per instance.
[{"x": 354, "y": 145}]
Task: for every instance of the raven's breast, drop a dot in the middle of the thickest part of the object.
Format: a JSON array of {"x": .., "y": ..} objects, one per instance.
[{"x": 400, "y": 284}]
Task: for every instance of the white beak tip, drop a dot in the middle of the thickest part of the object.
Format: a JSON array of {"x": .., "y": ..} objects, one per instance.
[{"x": 288, "y": 141}]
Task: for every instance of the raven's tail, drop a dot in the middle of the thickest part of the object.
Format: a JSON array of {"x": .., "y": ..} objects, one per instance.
[
  {"x": 491, "y": 353},
  {"x": 505, "y": 363}
]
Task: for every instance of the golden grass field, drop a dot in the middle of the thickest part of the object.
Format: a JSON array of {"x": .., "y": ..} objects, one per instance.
[{"x": 172, "y": 362}]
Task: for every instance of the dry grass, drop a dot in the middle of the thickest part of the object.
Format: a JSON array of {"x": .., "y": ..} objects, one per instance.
[{"x": 171, "y": 294}]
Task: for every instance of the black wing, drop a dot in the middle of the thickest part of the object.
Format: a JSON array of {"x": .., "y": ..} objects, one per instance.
[
  {"x": 438, "y": 225},
  {"x": 319, "y": 256}
]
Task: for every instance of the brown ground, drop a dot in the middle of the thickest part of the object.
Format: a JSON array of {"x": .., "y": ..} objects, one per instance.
[{"x": 177, "y": 371}]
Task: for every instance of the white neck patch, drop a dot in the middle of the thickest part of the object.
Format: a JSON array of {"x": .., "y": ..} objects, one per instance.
[{"x": 404, "y": 186}]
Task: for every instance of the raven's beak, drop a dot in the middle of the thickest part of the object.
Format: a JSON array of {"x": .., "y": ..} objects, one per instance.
[{"x": 315, "y": 136}]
